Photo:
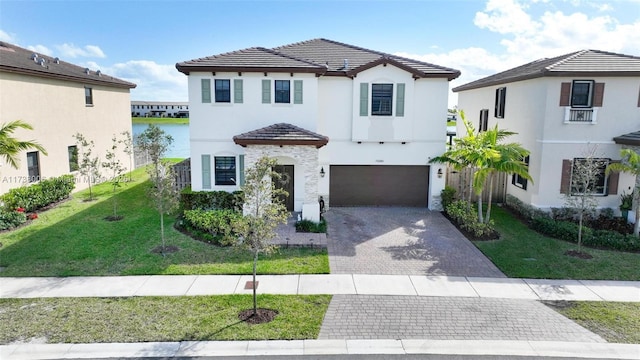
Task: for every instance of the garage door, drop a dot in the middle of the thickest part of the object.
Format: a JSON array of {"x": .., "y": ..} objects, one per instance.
[{"x": 368, "y": 185}]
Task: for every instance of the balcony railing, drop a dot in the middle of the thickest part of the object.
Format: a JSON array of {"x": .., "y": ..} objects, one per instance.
[{"x": 581, "y": 116}]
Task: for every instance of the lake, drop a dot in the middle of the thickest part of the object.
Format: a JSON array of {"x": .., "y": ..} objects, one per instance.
[{"x": 180, "y": 134}]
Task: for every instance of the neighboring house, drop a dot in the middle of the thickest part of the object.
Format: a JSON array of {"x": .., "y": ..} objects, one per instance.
[
  {"x": 58, "y": 99},
  {"x": 159, "y": 109},
  {"x": 350, "y": 125},
  {"x": 560, "y": 107}
]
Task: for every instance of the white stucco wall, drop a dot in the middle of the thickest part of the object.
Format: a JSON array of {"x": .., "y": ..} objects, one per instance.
[
  {"x": 56, "y": 109},
  {"x": 533, "y": 111}
]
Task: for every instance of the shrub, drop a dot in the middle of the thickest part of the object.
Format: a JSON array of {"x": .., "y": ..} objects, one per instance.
[
  {"x": 525, "y": 210},
  {"x": 10, "y": 219},
  {"x": 467, "y": 220},
  {"x": 218, "y": 223},
  {"x": 308, "y": 226},
  {"x": 211, "y": 200},
  {"x": 448, "y": 196},
  {"x": 39, "y": 195}
]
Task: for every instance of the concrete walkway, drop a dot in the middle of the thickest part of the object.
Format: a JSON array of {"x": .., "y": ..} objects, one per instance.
[{"x": 345, "y": 284}]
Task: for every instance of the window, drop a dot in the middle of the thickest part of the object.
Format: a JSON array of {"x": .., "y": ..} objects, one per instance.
[
  {"x": 484, "y": 120},
  {"x": 223, "y": 91},
  {"x": 33, "y": 166},
  {"x": 501, "y": 95},
  {"x": 73, "y": 157},
  {"x": 381, "y": 99},
  {"x": 588, "y": 176},
  {"x": 582, "y": 93},
  {"x": 282, "y": 91},
  {"x": 225, "y": 170},
  {"x": 88, "y": 96},
  {"x": 518, "y": 180}
]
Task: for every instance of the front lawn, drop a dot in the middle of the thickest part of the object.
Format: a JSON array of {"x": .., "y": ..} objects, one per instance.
[
  {"x": 75, "y": 239},
  {"x": 523, "y": 253},
  {"x": 145, "y": 319}
]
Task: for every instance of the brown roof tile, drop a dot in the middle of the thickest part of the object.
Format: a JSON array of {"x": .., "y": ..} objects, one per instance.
[
  {"x": 281, "y": 134},
  {"x": 19, "y": 60}
]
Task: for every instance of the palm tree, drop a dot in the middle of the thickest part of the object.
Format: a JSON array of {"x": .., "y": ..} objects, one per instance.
[
  {"x": 631, "y": 165},
  {"x": 10, "y": 147}
]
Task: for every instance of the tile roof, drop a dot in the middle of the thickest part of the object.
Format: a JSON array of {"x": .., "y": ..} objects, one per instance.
[
  {"x": 22, "y": 61},
  {"x": 320, "y": 56},
  {"x": 281, "y": 134},
  {"x": 632, "y": 139},
  {"x": 579, "y": 63}
]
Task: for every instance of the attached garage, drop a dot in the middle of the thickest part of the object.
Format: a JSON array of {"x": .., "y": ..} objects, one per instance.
[{"x": 379, "y": 185}]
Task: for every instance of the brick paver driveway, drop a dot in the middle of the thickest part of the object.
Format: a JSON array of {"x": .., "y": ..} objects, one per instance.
[{"x": 408, "y": 241}]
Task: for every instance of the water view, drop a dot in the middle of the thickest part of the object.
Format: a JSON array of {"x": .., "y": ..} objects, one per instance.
[{"x": 180, "y": 134}]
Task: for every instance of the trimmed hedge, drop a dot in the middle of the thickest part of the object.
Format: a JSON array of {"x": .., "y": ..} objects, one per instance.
[
  {"x": 568, "y": 231},
  {"x": 211, "y": 200},
  {"x": 11, "y": 219},
  {"x": 308, "y": 226},
  {"x": 525, "y": 210},
  {"x": 39, "y": 195},
  {"x": 217, "y": 223},
  {"x": 467, "y": 220},
  {"x": 448, "y": 196}
]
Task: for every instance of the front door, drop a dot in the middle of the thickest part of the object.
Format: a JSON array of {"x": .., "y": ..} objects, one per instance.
[{"x": 286, "y": 183}]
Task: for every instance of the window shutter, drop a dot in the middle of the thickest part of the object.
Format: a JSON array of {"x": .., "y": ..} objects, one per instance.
[
  {"x": 206, "y": 171},
  {"x": 237, "y": 91},
  {"x": 565, "y": 180},
  {"x": 614, "y": 179},
  {"x": 364, "y": 99},
  {"x": 598, "y": 94},
  {"x": 565, "y": 94},
  {"x": 266, "y": 91},
  {"x": 400, "y": 100},
  {"x": 206, "y": 90},
  {"x": 639, "y": 98},
  {"x": 297, "y": 91},
  {"x": 241, "y": 169}
]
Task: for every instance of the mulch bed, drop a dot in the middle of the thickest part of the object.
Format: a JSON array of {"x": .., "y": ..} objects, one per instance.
[
  {"x": 114, "y": 218},
  {"x": 169, "y": 249},
  {"x": 262, "y": 316},
  {"x": 578, "y": 254}
]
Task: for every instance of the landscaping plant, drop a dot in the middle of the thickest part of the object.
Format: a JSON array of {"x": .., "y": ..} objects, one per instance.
[
  {"x": 114, "y": 165},
  {"x": 630, "y": 164},
  {"x": 88, "y": 164},
  {"x": 127, "y": 148},
  {"x": 10, "y": 147}
]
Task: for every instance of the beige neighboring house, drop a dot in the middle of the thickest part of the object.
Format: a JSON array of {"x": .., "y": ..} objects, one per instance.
[
  {"x": 58, "y": 99},
  {"x": 559, "y": 107}
]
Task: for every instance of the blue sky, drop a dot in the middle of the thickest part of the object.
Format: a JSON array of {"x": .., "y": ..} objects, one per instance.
[{"x": 141, "y": 41}]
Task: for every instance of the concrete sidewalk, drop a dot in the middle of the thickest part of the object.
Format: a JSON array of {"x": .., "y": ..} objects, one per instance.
[
  {"x": 346, "y": 284},
  {"x": 319, "y": 347}
]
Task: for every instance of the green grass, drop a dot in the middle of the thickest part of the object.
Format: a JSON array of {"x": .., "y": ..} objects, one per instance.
[
  {"x": 144, "y": 319},
  {"x": 523, "y": 253},
  {"x": 74, "y": 239},
  {"x": 156, "y": 120},
  {"x": 617, "y": 322}
]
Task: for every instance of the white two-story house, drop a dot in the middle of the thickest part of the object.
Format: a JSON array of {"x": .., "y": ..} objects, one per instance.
[
  {"x": 562, "y": 109},
  {"x": 354, "y": 126}
]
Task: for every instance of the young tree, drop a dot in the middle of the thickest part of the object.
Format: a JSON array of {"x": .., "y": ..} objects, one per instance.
[
  {"x": 127, "y": 148},
  {"x": 631, "y": 165},
  {"x": 264, "y": 211},
  {"x": 11, "y": 147},
  {"x": 88, "y": 164},
  {"x": 114, "y": 166},
  {"x": 162, "y": 190},
  {"x": 585, "y": 176}
]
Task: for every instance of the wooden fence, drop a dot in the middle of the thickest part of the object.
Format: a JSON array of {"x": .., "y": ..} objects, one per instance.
[
  {"x": 459, "y": 180},
  {"x": 182, "y": 172}
]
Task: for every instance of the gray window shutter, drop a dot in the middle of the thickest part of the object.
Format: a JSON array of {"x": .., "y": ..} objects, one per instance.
[
  {"x": 241, "y": 169},
  {"x": 364, "y": 99},
  {"x": 565, "y": 94},
  {"x": 598, "y": 94},
  {"x": 400, "y": 100},
  {"x": 237, "y": 91},
  {"x": 297, "y": 91},
  {"x": 206, "y": 90},
  {"x": 206, "y": 171},
  {"x": 266, "y": 91}
]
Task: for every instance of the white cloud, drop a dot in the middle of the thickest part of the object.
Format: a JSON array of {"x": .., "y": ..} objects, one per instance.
[
  {"x": 505, "y": 17},
  {"x": 40, "y": 49},
  {"x": 155, "y": 82},
  {"x": 72, "y": 51},
  {"x": 4, "y": 36}
]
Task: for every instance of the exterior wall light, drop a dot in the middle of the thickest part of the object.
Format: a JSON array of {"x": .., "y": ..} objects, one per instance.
[
  {"x": 440, "y": 173},
  {"x": 322, "y": 172}
]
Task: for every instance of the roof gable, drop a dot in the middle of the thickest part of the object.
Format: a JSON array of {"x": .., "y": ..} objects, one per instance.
[
  {"x": 579, "y": 63},
  {"x": 22, "y": 61}
]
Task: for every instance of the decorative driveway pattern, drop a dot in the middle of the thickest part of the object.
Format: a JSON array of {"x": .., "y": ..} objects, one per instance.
[
  {"x": 447, "y": 318},
  {"x": 407, "y": 241}
]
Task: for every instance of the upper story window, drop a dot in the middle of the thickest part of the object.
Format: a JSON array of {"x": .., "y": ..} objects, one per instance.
[
  {"x": 582, "y": 93},
  {"x": 205, "y": 90},
  {"x": 484, "y": 120},
  {"x": 282, "y": 92},
  {"x": 501, "y": 96},
  {"x": 381, "y": 99},
  {"x": 223, "y": 90},
  {"x": 88, "y": 96}
]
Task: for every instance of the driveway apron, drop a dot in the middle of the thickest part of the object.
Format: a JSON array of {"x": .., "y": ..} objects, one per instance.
[{"x": 401, "y": 241}]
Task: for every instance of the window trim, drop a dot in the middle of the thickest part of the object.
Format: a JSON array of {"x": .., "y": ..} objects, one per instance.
[
  {"x": 590, "y": 94},
  {"x": 88, "y": 98},
  {"x": 501, "y": 98},
  {"x": 36, "y": 177},
  {"x": 280, "y": 95},
  {"x": 377, "y": 99},
  {"x": 225, "y": 177},
  {"x": 484, "y": 120},
  {"x": 222, "y": 95},
  {"x": 72, "y": 152}
]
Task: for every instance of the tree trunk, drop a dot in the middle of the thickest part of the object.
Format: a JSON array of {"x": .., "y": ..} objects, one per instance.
[
  {"x": 255, "y": 298},
  {"x": 470, "y": 179},
  {"x": 162, "y": 231},
  {"x": 480, "y": 220},
  {"x": 488, "y": 216},
  {"x": 580, "y": 231},
  {"x": 636, "y": 204}
]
